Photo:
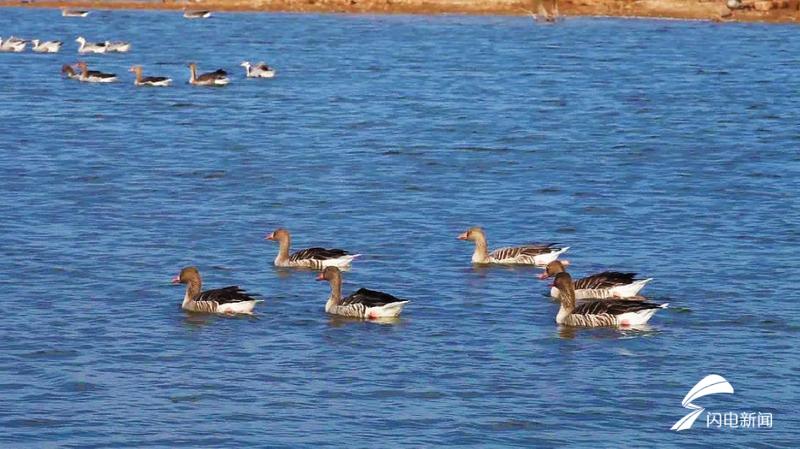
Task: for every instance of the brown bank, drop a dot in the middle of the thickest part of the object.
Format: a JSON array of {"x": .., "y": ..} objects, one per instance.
[{"x": 786, "y": 11}]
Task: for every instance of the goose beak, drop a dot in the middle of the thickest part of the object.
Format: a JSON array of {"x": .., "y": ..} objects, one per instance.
[
  {"x": 270, "y": 236},
  {"x": 462, "y": 236},
  {"x": 542, "y": 275},
  {"x": 320, "y": 277},
  {"x": 176, "y": 279}
]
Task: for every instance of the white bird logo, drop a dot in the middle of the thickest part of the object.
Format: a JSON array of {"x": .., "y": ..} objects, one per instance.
[{"x": 711, "y": 384}]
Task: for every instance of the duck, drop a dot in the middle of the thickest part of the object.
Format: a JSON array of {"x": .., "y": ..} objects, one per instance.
[
  {"x": 227, "y": 300},
  {"x": 74, "y": 13},
  {"x": 197, "y": 14},
  {"x": 90, "y": 47},
  {"x": 364, "y": 303},
  {"x": 260, "y": 70},
  {"x": 314, "y": 258},
  {"x": 13, "y": 44},
  {"x": 216, "y": 78},
  {"x": 537, "y": 254},
  {"x": 156, "y": 81},
  {"x": 93, "y": 76},
  {"x": 46, "y": 46},
  {"x": 600, "y": 313},
  {"x": 70, "y": 73},
  {"x": 608, "y": 284},
  {"x": 118, "y": 47}
]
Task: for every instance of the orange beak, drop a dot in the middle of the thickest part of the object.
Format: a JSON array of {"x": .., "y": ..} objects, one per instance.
[
  {"x": 320, "y": 277},
  {"x": 176, "y": 279},
  {"x": 462, "y": 236}
]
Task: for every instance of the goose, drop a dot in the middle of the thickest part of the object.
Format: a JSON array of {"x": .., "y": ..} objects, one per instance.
[
  {"x": 90, "y": 47},
  {"x": 608, "y": 284},
  {"x": 216, "y": 78},
  {"x": 197, "y": 14},
  {"x": 537, "y": 254},
  {"x": 74, "y": 13},
  {"x": 13, "y": 44},
  {"x": 118, "y": 47},
  {"x": 314, "y": 258},
  {"x": 93, "y": 76},
  {"x": 260, "y": 70},
  {"x": 228, "y": 300},
  {"x": 600, "y": 313},
  {"x": 46, "y": 46},
  {"x": 157, "y": 81},
  {"x": 70, "y": 73},
  {"x": 364, "y": 303}
]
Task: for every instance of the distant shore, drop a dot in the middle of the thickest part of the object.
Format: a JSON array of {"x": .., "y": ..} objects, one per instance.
[{"x": 776, "y": 11}]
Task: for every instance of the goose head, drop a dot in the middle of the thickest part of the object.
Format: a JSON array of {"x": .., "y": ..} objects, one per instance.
[
  {"x": 278, "y": 235},
  {"x": 330, "y": 274},
  {"x": 187, "y": 275},
  {"x": 35, "y": 42},
  {"x": 472, "y": 234},
  {"x": 245, "y": 64},
  {"x": 553, "y": 268},
  {"x": 80, "y": 40},
  {"x": 135, "y": 68}
]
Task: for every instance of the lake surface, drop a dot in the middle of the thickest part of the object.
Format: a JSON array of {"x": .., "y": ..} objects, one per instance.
[{"x": 662, "y": 147}]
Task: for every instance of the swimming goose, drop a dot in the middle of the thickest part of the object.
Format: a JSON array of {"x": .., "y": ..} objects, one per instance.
[
  {"x": 227, "y": 300},
  {"x": 314, "y": 258},
  {"x": 600, "y": 313},
  {"x": 260, "y": 70},
  {"x": 197, "y": 14},
  {"x": 46, "y": 46},
  {"x": 13, "y": 44},
  {"x": 93, "y": 76},
  {"x": 216, "y": 78},
  {"x": 156, "y": 81},
  {"x": 608, "y": 284},
  {"x": 74, "y": 13},
  {"x": 118, "y": 47},
  {"x": 364, "y": 303},
  {"x": 90, "y": 47},
  {"x": 538, "y": 254},
  {"x": 67, "y": 70}
]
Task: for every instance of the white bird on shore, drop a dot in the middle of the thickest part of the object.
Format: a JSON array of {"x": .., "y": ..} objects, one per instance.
[
  {"x": 260, "y": 70},
  {"x": 46, "y": 46}
]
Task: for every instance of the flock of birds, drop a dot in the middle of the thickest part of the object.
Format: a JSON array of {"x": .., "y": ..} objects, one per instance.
[
  {"x": 609, "y": 298},
  {"x": 80, "y": 70}
]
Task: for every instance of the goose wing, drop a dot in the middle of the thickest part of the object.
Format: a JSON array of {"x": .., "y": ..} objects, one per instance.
[
  {"x": 369, "y": 298},
  {"x": 606, "y": 279},
  {"x": 217, "y": 74},
  {"x": 154, "y": 79},
  {"x": 526, "y": 250},
  {"x": 318, "y": 254},
  {"x": 225, "y": 295},
  {"x": 612, "y": 307}
]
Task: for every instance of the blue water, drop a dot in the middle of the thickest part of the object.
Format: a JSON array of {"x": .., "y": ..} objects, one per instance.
[{"x": 666, "y": 148}]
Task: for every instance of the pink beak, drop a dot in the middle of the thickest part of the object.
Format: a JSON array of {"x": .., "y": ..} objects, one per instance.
[
  {"x": 462, "y": 236},
  {"x": 320, "y": 277},
  {"x": 176, "y": 279},
  {"x": 543, "y": 275},
  {"x": 270, "y": 236}
]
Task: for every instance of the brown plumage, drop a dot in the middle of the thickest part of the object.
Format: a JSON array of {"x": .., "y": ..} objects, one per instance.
[{"x": 230, "y": 299}]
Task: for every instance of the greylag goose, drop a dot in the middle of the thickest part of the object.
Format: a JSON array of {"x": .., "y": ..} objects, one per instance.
[
  {"x": 216, "y": 78},
  {"x": 157, "y": 81},
  {"x": 608, "y": 284},
  {"x": 537, "y": 254},
  {"x": 260, "y": 70},
  {"x": 314, "y": 258},
  {"x": 197, "y": 14},
  {"x": 227, "y": 300},
  {"x": 46, "y": 46},
  {"x": 13, "y": 44},
  {"x": 93, "y": 76},
  {"x": 70, "y": 73},
  {"x": 118, "y": 47},
  {"x": 90, "y": 47},
  {"x": 364, "y": 303},
  {"x": 600, "y": 313},
  {"x": 74, "y": 13}
]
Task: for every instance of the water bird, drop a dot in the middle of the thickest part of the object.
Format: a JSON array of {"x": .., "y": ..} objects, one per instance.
[
  {"x": 259, "y": 70},
  {"x": 600, "y": 313},
  {"x": 156, "y": 81},
  {"x": 46, "y": 46},
  {"x": 534, "y": 254},
  {"x": 13, "y": 44},
  {"x": 608, "y": 284},
  {"x": 90, "y": 47},
  {"x": 216, "y": 78},
  {"x": 93, "y": 76},
  {"x": 74, "y": 13},
  {"x": 118, "y": 47},
  {"x": 314, "y": 258},
  {"x": 197, "y": 14},
  {"x": 70, "y": 73},
  {"x": 364, "y": 303},
  {"x": 227, "y": 300}
]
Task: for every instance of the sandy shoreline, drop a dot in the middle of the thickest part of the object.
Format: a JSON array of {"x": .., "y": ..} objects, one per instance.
[{"x": 776, "y": 11}]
